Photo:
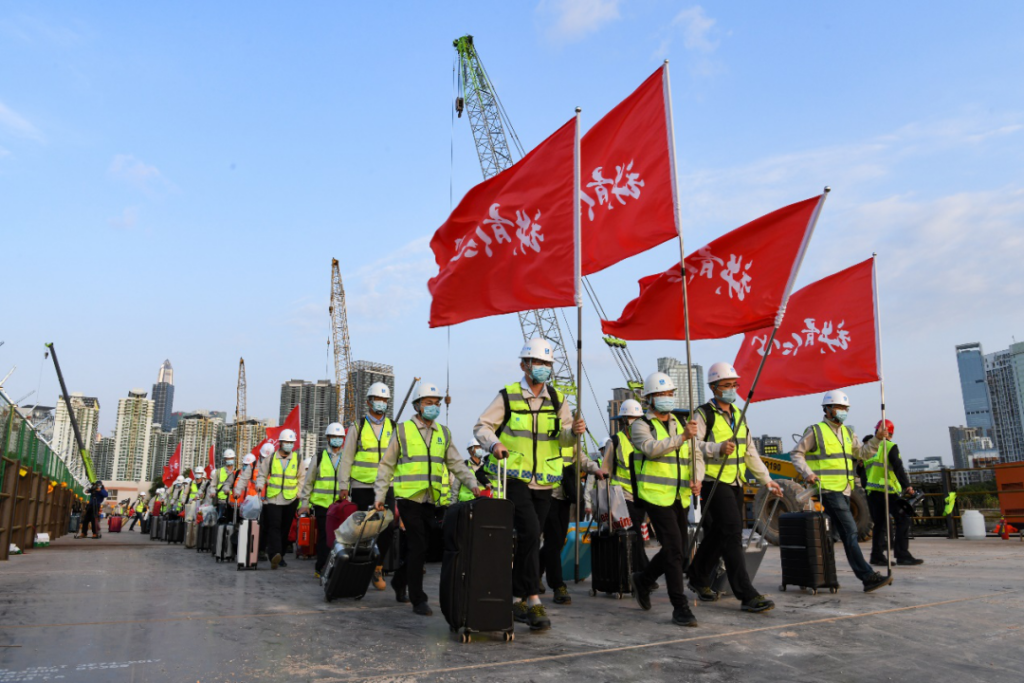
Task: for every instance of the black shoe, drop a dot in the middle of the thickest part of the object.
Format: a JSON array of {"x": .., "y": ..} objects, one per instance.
[
  {"x": 423, "y": 609},
  {"x": 537, "y": 618},
  {"x": 876, "y": 581},
  {"x": 283, "y": 563},
  {"x": 758, "y": 604},
  {"x": 682, "y": 616},
  {"x": 909, "y": 562},
  {"x": 402, "y": 594},
  {"x": 562, "y": 596},
  {"x": 878, "y": 562},
  {"x": 520, "y": 612},
  {"x": 276, "y": 561},
  {"x": 704, "y": 594},
  {"x": 655, "y": 586},
  {"x": 641, "y": 592}
]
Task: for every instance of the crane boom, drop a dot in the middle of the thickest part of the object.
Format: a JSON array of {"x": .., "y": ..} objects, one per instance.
[
  {"x": 342, "y": 347},
  {"x": 240, "y": 408}
]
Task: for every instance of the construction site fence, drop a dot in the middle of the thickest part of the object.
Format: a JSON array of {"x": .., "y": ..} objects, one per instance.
[
  {"x": 1000, "y": 497},
  {"x": 37, "y": 491}
]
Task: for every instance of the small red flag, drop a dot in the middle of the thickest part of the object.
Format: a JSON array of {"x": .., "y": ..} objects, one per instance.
[
  {"x": 291, "y": 422},
  {"x": 828, "y": 340},
  {"x": 173, "y": 468},
  {"x": 737, "y": 283},
  {"x": 509, "y": 244},
  {"x": 212, "y": 464}
]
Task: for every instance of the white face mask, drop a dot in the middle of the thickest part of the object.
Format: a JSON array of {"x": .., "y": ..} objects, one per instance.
[{"x": 287, "y": 447}]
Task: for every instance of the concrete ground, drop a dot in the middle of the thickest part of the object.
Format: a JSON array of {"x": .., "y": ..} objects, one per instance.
[{"x": 123, "y": 608}]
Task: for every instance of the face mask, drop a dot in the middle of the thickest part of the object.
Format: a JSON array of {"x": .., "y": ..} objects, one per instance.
[
  {"x": 540, "y": 373},
  {"x": 430, "y": 413},
  {"x": 380, "y": 406},
  {"x": 475, "y": 454},
  {"x": 287, "y": 447},
  {"x": 337, "y": 442},
  {"x": 664, "y": 404},
  {"x": 841, "y": 416},
  {"x": 729, "y": 396}
]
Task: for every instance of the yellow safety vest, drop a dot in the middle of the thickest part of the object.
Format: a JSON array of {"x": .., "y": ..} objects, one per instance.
[
  {"x": 532, "y": 452},
  {"x": 662, "y": 481},
  {"x": 623, "y": 450},
  {"x": 284, "y": 479},
  {"x": 876, "y": 472},
  {"x": 222, "y": 477},
  {"x": 731, "y": 469},
  {"x": 831, "y": 459},
  {"x": 370, "y": 450},
  {"x": 421, "y": 465},
  {"x": 325, "y": 487}
]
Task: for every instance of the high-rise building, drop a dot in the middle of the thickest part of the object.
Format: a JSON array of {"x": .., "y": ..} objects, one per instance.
[
  {"x": 172, "y": 423},
  {"x": 161, "y": 447},
  {"x": 965, "y": 441},
  {"x": 768, "y": 445},
  {"x": 677, "y": 371},
  {"x": 131, "y": 436},
  {"x": 1004, "y": 374},
  {"x": 103, "y": 457},
  {"x": 163, "y": 396},
  {"x": 970, "y": 361},
  {"x": 619, "y": 394},
  {"x": 365, "y": 373},
  {"x": 196, "y": 433},
  {"x": 241, "y": 438},
  {"x": 319, "y": 401},
  {"x": 87, "y": 415}
]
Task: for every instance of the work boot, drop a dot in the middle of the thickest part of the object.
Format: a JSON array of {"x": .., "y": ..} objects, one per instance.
[
  {"x": 275, "y": 561},
  {"x": 878, "y": 561},
  {"x": 682, "y": 616},
  {"x": 401, "y": 593},
  {"x": 641, "y": 591},
  {"x": 316, "y": 574},
  {"x": 537, "y": 618},
  {"x": 283, "y": 563},
  {"x": 520, "y": 612},
  {"x": 562, "y": 596},
  {"x": 704, "y": 594},
  {"x": 758, "y": 603},
  {"x": 378, "y": 578},
  {"x": 423, "y": 609},
  {"x": 876, "y": 581},
  {"x": 909, "y": 561}
]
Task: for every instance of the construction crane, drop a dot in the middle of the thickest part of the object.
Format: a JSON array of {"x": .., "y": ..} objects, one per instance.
[
  {"x": 342, "y": 348},
  {"x": 493, "y": 133},
  {"x": 240, "y": 408}
]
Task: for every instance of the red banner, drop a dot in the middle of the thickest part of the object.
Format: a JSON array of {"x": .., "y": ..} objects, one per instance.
[
  {"x": 626, "y": 184},
  {"x": 737, "y": 283},
  {"x": 173, "y": 468},
  {"x": 509, "y": 245},
  {"x": 828, "y": 339},
  {"x": 212, "y": 464}
]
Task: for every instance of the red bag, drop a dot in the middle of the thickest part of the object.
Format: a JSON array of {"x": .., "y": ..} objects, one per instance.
[
  {"x": 156, "y": 508},
  {"x": 294, "y": 531},
  {"x": 336, "y": 516},
  {"x": 306, "y": 540}
]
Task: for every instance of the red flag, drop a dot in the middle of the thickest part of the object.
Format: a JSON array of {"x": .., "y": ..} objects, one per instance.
[
  {"x": 508, "y": 246},
  {"x": 173, "y": 468},
  {"x": 828, "y": 340},
  {"x": 291, "y": 422},
  {"x": 212, "y": 465},
  {"x": 626, "y": 184},
  {"x": 737, "y": 283}
]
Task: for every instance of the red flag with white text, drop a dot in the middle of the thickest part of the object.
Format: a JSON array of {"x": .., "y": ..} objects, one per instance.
[
  {"x": 509, "y": 244},
  {"x": 737, "y": 283},
  {"x": 173, "y": 468},
  {"x": 828, "y": 339}
]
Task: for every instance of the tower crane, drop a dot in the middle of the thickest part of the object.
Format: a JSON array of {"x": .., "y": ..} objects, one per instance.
[
  {"x": 342, "y": 348},
  {"x": 240, "y": 410}
]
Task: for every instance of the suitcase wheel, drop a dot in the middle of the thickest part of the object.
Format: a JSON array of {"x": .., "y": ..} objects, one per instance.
[
  {"x": 464, "y": 637},
  {"x": 814, "y": 591},
  {"x": 833, "y": 590},
  {"x": 509, "y": 636},
  {"x": 618, "y": 596},
  {"x": 593, "y": 592}
]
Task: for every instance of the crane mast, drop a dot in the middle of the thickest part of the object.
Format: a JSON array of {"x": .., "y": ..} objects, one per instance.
[
  {"x": 492, "y": 134},
  {"x": 240, "y": 409},
  {"x": 342, "y": 347}
]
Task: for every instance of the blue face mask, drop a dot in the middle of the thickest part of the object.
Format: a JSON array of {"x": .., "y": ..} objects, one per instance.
[
  {"x": 540, "y": 373},
  {"x": 664, "y": 404},
  {"x": 841, "y": 416},
  {"x": 380, "y": 406},
  {"x": 729, "y": 396},
  {"x": 337, "y": 442},
  {"x": 430, "y": 412}
]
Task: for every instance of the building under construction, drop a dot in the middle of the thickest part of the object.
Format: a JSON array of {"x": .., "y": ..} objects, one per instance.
[{"x": 364, "y": 373}]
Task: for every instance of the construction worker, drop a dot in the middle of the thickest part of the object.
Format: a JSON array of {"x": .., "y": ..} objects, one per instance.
[
  {"x": 359, "y": 462},
  {"x": 177, "y": 491},
  {"x": 615, "y": 462},
  {"x": 320, "y": 490},
  {"x": 416, "y": 460},
  {"x": 826, "y": 456},
  {"x": 729, "y": 455},
  {"x": 528, "y": 423},
  {"x": 667, "y": 472},
  {"x": 139, "y": 512},
  {"x": 877, "y": 489},
  {"x": 474, "y": 462},
  {"x": 278, "y": 478},
  {"x": 222, "y": 480}
]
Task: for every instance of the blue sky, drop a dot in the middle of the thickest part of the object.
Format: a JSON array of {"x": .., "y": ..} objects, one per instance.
[{"x": 175, "y": 180}]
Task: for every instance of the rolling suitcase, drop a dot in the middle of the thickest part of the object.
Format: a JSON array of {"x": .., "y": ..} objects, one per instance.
[
  {"x": 154, "y": 527},
  {"x": 305, "y": 538},
  {"x": 350, "y": 568},
  {"x": 476, "y": 572},
  {"x": 223, "y": 542},
  {"x": 248, "y": 548},
  {"x": 569, "y": 550},
  {"x": 191, "y": 534},
  {"x": 145, "y": 524},
  {"x": 808, "y": 557},
  {"x": 114, "y": 524},
  {"x": 611, "y": 559},
  {"x": 175, "y": 531},
  {"x": 74, "y": 523},
  {"x": 204, "y": 538}
]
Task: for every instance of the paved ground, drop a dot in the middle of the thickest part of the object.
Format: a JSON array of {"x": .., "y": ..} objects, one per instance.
[{"x": 123, "y": 608}]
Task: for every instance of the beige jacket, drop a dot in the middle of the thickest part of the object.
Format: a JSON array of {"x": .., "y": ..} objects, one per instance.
[
  {"x": 809, "y": 443},
  {"x": 263, "y": 472}
]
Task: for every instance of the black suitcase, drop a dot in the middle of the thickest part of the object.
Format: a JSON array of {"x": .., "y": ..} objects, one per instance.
[
  {"x": 205, "y": 538},
  {"x": 391, "y": 560},
  {"x": 611, "y": 558},
  {"x": 476, "y": 572},
  {"x": 154, "y": 527},
  {"x": 806, "y": 547},
  {"x": 349, "y": 570},
  {"x": 144, "y": 525},
  {"x": 175, "y": 530},
  {"x": 223, "y": 542}
]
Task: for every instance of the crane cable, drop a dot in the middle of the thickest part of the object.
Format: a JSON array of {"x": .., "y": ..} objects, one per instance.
[{"x": 451, "y": 205}]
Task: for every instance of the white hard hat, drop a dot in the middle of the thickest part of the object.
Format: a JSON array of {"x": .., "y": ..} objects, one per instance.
[
  {"x": 608, "y": 440},
  {"x": 472, "y": 442},
  {"x": 335, "y": 429},
  {"x": 267, "y": 450},
  {"x": 179, "y": 480},
  {"x": 287, "y": 435},
  {"x": 378, "y": 390},
  {"x": 229, "y": 454},
  {"x": 835, "y": 398},
  {"x": 720, "y": 371},
  {"x": 249, "y": 459},
  {"x": 630, "y": 408},
  {"x": 426, "y": 390},
  {"x": 657, "y": 382},
  {"x": 189, "y": 479},
  {"x": 160, "y": 490},
  {"x": 538, "y": 348},
  {"x": 199, "y": 472}
]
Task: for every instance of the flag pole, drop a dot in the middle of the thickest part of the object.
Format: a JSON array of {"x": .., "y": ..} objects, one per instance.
[
  {"x": 881, "y": 387},
  {"x": 577, "y": 268}
]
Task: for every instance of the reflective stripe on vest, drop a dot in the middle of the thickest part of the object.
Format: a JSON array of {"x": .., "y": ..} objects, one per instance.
[
  {"x": 876, "y": 472},
  {"x": 420, "y": 465},
  {"x": 531, "y": 452},
  {"x": 325, "y": 486},
  {"x": 662, "y": 481},
  {"x": 283, "y": 479},
  {"x": 831, "y": 459},
  {"x": 370, "y": 450},
  {"x": 623, "y": 452},
  {"x": 222, "y": 478},
  {"x": 731, "y": 469}
]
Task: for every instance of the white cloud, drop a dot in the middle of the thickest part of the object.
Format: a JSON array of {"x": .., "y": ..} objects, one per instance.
[
  {"x": 572, "y": 20},
  {"x": 128, "y": 219},
  {"x": 699, "y": 36},
  {"x": 18, "y": 124},
  {"x": 127, "y": 168},
  {"x": 383, "y": 291}
]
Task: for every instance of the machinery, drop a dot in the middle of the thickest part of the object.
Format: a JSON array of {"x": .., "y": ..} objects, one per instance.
[
  {"x": 342, "y": 347},
  {"x": 240, "y": 406}
]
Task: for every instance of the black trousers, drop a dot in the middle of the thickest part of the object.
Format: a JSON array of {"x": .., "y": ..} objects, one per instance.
[
  {"x": 418, "y": 519},
  {"x": 137, "y": 517},
  {"x": 900, "y": 528},
  {"x": 91, "y": 516},
  {"x": 323, "y": 548},
  {"x": 364, "y": 499},
  {"x": 556, "y": 526},
  {"x": 638, "y": 515},
  {"x": 531, "y": 512},
  {"x": 671, "y": 525},
  {"x": 277, "y": 525},
  {"x": 723, "y": 539}
]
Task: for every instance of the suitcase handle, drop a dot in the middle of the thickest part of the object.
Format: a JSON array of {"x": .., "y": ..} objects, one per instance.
[{"x": 764, "y": 504}]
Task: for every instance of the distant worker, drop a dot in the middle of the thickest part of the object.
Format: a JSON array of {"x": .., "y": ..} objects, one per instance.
[
  {"x": 876, "y": 488},
  {"x": 617, "y": 454},
  {"x": 827, "y": 455},
  {"x": 278, "y": 478},
  {"x": 364, "y": 446},
  {"x": 320, "y": 490},
  {"x": 416, "y": 462},
  {"x": 528, "y": 423},
  {"x": 221, "y": 482},
  {"x": 474, "y": 462},
  {"x": 139, "y": 512},
  {"x": 729, "y": 454},
  {"x": 667, "y": 472},
  {"x": 97, "y": 494}
]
